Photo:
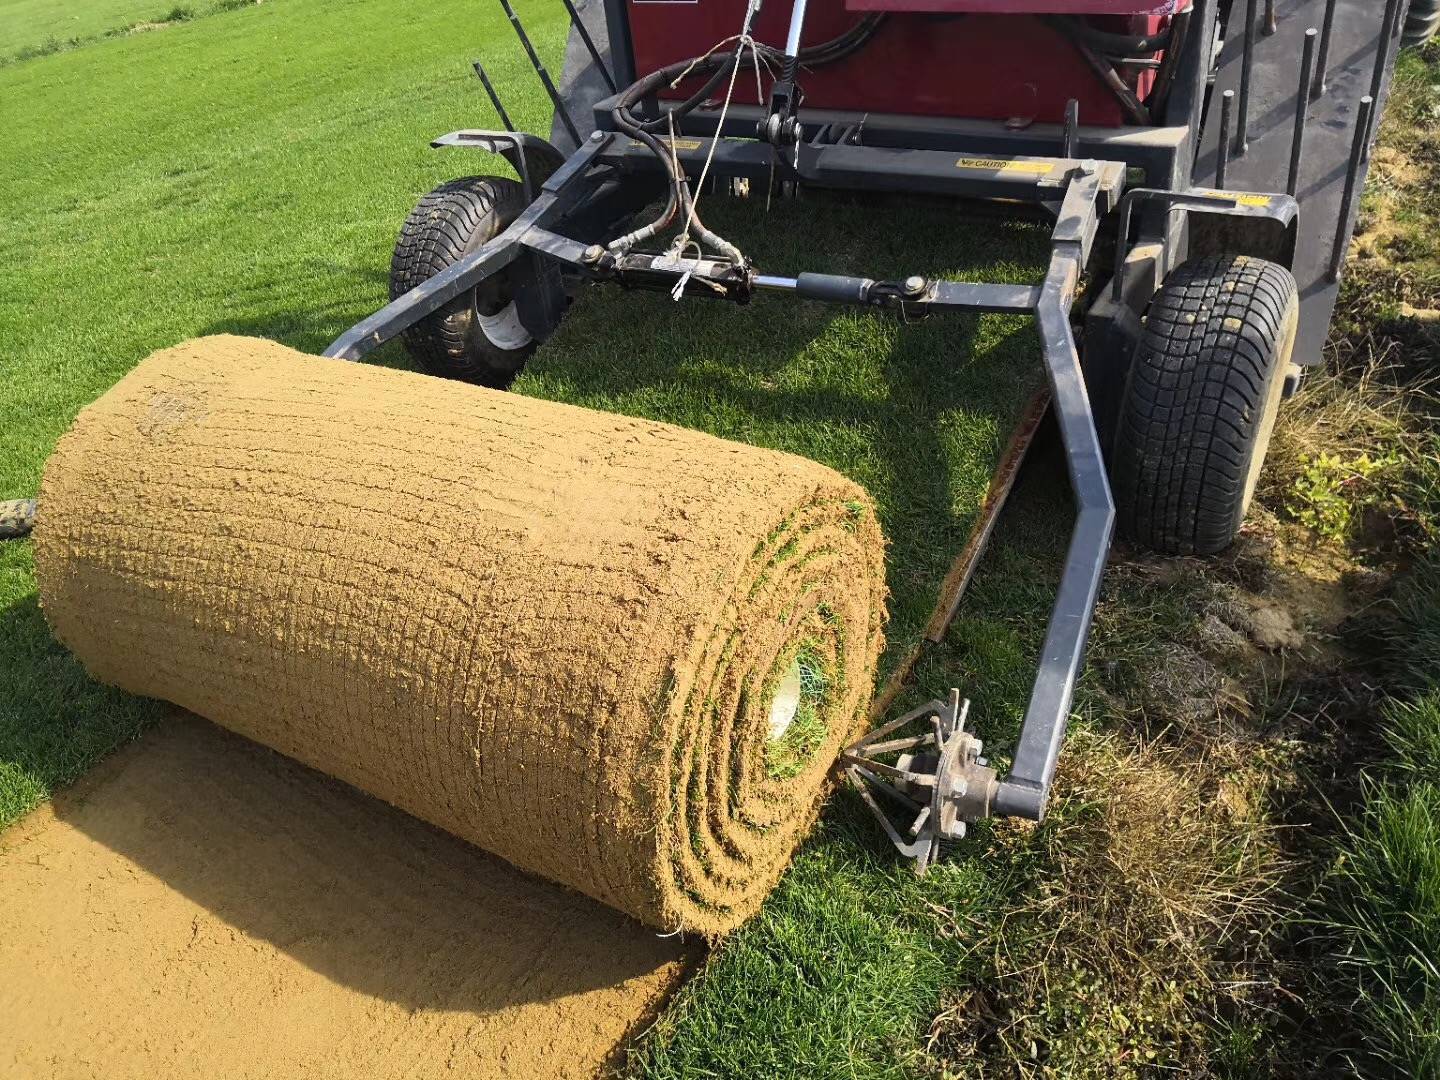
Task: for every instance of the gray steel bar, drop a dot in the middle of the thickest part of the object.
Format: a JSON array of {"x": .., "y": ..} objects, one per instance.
[
  {"x": 545, "y": 79},
  {"x": 1247, "y": 69},
  {"x": 1302, "y": 110},
  {"x": 772, "y": 281},
  {"x": 494, "y": 97},
  {"x": 1393, "y": 8},
  {"x": 1222, "y": 148},
  {"x": 797, "y": 26},
  {"x": 557, "y": 194},
  {"x": 1025, "y": 790},
  {"x": 589, "y": 44},
  {"x": 1352, "y": 176},
  {"x": 1322, "y": 61}
]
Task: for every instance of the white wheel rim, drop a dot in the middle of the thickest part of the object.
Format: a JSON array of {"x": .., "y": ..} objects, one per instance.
[
  {"x": 1271, "y": 406},
  {"x": 786, "y": 702},
  {"x": 504, "y": 329}
]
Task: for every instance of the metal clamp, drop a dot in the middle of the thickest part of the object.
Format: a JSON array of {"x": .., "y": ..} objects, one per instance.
[{"x": 938, "y": 778}]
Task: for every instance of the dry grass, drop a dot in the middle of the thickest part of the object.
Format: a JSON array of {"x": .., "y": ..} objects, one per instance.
[
  {"x": 1167, "y": 918},
  {"x": 1141, "y": 934}
]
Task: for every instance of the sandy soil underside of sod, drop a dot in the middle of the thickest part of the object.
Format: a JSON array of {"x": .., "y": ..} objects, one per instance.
[{"x": 201, "y": 906}]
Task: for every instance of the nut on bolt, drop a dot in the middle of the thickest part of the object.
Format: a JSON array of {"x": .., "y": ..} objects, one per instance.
[
  {"x": 592, "y": 255},
  {"x": 915, "y": 285}
]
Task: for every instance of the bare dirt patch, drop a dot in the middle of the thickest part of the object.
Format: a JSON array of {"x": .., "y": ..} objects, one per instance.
[{"x": 201, "y": 906}]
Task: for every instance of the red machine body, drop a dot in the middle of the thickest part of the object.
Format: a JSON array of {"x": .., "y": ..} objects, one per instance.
[{"x": 981, "y": 59}]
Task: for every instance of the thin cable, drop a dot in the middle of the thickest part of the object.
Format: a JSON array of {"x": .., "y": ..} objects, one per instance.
[{"x": 744, "y": 40}]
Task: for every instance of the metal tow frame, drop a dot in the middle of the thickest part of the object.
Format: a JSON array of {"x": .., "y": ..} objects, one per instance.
[
  {"x": 1140, "y": 179},
  {"x": 1078, "y": 192}
]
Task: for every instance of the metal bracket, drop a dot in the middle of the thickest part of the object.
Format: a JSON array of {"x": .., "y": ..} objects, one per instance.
[
  {"x": 534, "y": 159},
  {"x": 937, "y": 778}
]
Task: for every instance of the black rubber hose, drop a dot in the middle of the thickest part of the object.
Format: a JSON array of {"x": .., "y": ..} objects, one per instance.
[
  {"x": 1134, "y": 110},
  {"x": 715, "y": 65},
  {"x": 1111, "y": 44},
  {"x": 1170, "y": 62}
]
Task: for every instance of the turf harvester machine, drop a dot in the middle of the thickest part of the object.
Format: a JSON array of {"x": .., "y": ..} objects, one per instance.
[{"x": 1201, "y": 162}]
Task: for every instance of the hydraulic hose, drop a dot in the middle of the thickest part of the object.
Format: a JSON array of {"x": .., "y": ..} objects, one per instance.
[{"x": 714, "y": 66}]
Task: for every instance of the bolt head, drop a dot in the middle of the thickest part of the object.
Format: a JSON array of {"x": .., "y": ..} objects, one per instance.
[
  {"x": 596, "y": 136},
  {"x": 593, "y": 254},
  {"x": 914, "y": 284}
]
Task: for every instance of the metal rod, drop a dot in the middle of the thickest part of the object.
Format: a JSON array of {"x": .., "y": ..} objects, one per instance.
[
  {"x": 1272, "y": 24},
  {"x": 1222, "y": 149},
  {"x": 1302, "y": 109},
  {"x": 1322, "y": 61},
  {"x": 1382, "y": 56},
  {"x": 1247, "y": 68},
  {"x": 1393, "y": 10},
  {"x": 774, "y": 281},
  {"x": 545, "y": 79},
  {"x": 589, "y": 43},
  {"x": 505, "y": 120},
  {"x": 1071, "y": 138},
  {"x": 797, "y": 25},
  {"x": 1352, "y": 180},
  {"x": 1025, "y": 790}
]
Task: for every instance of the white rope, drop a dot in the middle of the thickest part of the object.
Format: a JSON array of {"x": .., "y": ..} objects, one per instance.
[{"x": 743, "y": 40}]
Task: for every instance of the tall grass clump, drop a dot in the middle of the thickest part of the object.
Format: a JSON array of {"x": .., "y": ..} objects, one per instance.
[{"x": 1382, "y": 905}]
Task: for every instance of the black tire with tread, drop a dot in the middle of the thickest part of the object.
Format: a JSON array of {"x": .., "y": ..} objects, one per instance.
[
  {"x": 1421, "y": 22},
  {"x": 448, "y": 223},
  {"x": 1200, "y": 402}
]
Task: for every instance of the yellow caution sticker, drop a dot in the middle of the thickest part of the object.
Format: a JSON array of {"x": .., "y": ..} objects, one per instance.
[
  {"x": 1033, "y": 168},
  {"x": 1244, "y": 198},
  {"x": 680, "y": 144}
]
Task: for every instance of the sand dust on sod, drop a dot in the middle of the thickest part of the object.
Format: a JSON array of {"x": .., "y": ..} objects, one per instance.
[{"x": 553, "y": 632}]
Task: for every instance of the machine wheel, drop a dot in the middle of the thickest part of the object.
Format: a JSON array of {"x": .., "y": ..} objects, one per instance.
[
  {"x": 1200, "y": 402},
  {"x": 17, "y": 518},
  {"x": 477, "y": 337},
  {"x": 1421, "y": 22}
]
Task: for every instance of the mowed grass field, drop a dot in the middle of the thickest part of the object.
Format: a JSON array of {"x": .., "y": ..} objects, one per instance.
[
  {"x": 246, "y": 172},
  {"x": 40, "y": 24}
]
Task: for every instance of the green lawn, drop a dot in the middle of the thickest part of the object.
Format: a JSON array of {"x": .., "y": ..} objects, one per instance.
[
  {"x": 37, "y": 27},
  {"x": 261, "y": 195}
]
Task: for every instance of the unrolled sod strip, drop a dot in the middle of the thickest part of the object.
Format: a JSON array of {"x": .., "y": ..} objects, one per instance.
[{"x": 619, "y": 654}]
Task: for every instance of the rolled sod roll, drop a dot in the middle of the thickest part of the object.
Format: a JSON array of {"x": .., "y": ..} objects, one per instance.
[{"x": 619, "y": 654}]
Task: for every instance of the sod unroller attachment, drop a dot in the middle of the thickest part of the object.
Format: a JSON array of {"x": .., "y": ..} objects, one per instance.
[{"x": 617, "y": 653}]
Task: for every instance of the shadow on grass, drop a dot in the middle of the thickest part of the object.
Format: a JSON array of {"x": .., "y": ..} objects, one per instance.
[
  {"x": 55, "y": 721},
  {"x": 350, "y": 887},
  {"x": 267, "y": 313}
]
